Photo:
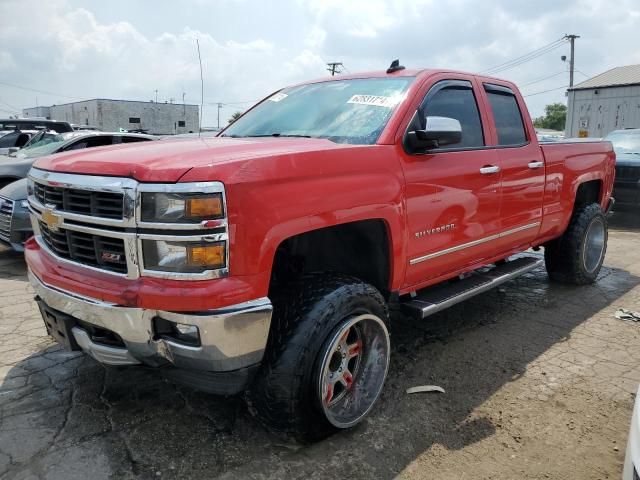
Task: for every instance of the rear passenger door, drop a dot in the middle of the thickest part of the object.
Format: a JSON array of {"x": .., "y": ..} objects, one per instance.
[{"x": 523, "y": 170}]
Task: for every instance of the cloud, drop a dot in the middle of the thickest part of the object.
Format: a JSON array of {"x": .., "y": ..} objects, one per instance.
[{"x": 251, "y": 48}]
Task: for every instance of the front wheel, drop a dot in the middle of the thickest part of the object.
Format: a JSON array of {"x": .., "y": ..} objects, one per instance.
[
  {"x": 326, "y": 359},
  {"x": 577, "y": 256}
]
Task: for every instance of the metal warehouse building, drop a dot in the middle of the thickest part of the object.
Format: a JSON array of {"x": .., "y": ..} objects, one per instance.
[
  {"x": 606, "y": 102},
  {"x": 112, "y": 115}
]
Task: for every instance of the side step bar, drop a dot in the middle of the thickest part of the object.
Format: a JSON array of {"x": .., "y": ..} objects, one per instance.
[{"x": 435, "y": 299}]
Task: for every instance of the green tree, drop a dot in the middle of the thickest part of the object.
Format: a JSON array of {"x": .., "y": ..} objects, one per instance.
[
  {"x": 555, "y": 116},
  {"x": 235, "y": 116}
]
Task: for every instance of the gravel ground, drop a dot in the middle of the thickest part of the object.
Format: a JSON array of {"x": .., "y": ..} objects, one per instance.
[{"x": 539, "y": 378}]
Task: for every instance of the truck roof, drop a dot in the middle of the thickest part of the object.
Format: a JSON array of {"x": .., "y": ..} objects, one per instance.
[{"x": 406, "y": 72}]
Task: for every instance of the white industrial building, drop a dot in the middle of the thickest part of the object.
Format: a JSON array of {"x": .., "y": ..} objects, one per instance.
[
  {"x": 113, "y": 115},
  {"x": 606, "y": 102}
]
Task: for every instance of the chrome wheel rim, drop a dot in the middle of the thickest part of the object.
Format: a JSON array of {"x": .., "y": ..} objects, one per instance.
[
  {"x": 354, "y": 365},
  {"x": 594, "y": 245}
]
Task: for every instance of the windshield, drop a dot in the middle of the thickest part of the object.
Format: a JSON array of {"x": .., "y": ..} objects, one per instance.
[
  {"x": 42, "y": 144},
  {"x": 625, "y": 141},
  {"x": 344, "y": 111}
]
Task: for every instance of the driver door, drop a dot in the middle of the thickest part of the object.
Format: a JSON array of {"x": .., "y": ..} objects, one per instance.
[{"x": 452, "y": 193}]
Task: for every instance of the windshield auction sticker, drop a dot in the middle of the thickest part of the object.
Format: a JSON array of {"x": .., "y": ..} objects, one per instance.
[
  {"x": 278, "y": 96},
  {"x": 375, "y": 100}
]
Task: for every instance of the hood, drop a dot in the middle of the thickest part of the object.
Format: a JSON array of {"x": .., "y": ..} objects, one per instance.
[
  {"x": 628, "y": 159},
  {"x": 169, "y": 160},
  {"x": 15, "y": 191},
  {"x": 15, "y": 167}
]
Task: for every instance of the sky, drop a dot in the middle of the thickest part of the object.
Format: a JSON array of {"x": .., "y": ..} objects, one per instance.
[{"x": 58, "y": 51}]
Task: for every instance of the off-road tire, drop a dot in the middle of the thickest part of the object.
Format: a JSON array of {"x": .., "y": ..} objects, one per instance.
[
  {"x": 565, "y": 256},
  {"x": 283, "y": 394}
]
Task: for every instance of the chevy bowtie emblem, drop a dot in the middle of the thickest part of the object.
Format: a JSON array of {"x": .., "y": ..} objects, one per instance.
[{"x": 51, "y": 220}]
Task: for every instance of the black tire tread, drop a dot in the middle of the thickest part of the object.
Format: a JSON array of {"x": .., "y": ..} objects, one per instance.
[
  {"x": 304, "y": 314},
  {"x": 563, "y": 255}
]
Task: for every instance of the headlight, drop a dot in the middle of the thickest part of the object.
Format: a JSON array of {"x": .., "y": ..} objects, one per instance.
[
  {"x": 181, "y": 207},
  {"x": 30, "y": 187},
  {"x": 183, "y": 257}
]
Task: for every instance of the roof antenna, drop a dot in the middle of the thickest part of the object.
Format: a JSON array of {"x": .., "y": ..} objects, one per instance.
[
  {"x": 201, "y": 90},
  {"x": 395, "y": 66}
]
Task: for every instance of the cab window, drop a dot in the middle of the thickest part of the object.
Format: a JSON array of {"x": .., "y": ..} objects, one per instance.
[
  {"x": 507, "y": 115},
  {"x": 457, "y": 101}
]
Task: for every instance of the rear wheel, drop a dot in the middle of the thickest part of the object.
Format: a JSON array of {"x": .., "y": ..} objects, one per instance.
[
  {"x": 577, "y": 256},
  {"x": 326, "y": 359}
]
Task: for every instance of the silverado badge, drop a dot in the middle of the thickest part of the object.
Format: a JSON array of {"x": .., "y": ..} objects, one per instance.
[
  {"x": 431, "y": 231},
  {"x": 51, "y": 220}
]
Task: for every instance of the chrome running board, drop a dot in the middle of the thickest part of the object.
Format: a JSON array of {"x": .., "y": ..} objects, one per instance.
[{"x": 437, "y": 298}]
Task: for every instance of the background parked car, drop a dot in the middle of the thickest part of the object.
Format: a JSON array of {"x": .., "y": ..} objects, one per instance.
[
  {"x": 85, "y": 127},
  {"x": 15, "y": 133},
  {"x": 15, "y": 225},
  {"x": 16, "y": 165},
  {"x": 632, "y": 457},
  {"x": 626, "y": 189}
]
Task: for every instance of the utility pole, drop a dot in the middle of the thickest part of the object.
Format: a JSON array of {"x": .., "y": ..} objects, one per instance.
[
  {"x": 156, "y": 90},
  {"x": 572, "y": 39},
  {"x": 184, "y": 107},
  {"x": 219, "y": 107},
  {"x": 333, "y": 67}
]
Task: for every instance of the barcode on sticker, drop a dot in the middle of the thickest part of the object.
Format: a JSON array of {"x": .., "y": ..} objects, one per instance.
[{"x": 375, "y": 100}]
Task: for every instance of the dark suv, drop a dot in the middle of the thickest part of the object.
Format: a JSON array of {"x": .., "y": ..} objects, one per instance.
[{"x": 626, "y": 189}]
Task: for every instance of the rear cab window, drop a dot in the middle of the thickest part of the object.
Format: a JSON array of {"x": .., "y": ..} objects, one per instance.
[{"x": 507, "y": 116}]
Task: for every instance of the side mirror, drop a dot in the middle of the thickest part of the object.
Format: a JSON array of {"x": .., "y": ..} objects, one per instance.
[
  {"x": 13, "y": 149},
  {"x": 439, "y": 131}
]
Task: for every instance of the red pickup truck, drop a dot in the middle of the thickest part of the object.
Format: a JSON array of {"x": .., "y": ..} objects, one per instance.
[{"x": 266, "y": 260}]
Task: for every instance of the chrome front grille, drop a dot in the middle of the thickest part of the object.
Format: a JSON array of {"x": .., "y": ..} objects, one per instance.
[
  {"x": 87, "y": 249},
  {"x": 6, "y": 212},
  {"x": 83, "y": 202}
]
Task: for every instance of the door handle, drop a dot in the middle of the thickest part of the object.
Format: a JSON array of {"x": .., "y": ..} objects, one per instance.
[
  {"x": 536, "y": 164},
  {"x": 488, "y": 170}
]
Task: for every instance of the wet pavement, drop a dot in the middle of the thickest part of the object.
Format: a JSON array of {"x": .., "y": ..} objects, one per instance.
[{"x": 539, "y": 378}]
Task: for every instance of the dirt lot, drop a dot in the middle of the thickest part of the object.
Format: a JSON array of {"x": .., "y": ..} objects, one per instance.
[{"x": 539, "y": 378}]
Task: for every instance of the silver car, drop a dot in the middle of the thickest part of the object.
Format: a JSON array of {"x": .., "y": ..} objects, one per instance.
[{"x": 15, "y": 226}]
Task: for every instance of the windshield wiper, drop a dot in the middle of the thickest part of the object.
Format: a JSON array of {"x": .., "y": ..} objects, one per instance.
[{"x": 268, "y": 135}]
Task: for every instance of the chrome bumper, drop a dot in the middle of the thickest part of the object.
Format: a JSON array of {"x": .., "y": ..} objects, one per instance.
[{"x": 232, "y": 338}]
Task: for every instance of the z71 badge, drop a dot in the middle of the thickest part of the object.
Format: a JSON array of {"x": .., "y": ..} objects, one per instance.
[{"x": 440, "y": 229}]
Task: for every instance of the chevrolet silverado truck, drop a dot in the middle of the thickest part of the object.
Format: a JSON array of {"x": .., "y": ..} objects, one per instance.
[{"x": 266, "y": 260}]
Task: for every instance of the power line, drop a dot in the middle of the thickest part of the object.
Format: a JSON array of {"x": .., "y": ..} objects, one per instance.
[
  {"x": 38, "y": 91},
  {"x": 527, "y": 57},
  {"x": 546, "y": 91},
  {"x": 541, "y": 79}
]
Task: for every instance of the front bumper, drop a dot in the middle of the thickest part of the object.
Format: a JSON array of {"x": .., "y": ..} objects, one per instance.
[{"x": 231, "y": 338}]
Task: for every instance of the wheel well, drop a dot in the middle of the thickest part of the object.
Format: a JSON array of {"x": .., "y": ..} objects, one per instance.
[
  {"x": 588, "y": 192},
  {"x": 360, "y": 249}
]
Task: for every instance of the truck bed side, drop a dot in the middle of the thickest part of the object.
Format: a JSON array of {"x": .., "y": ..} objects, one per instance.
[{"x": 569, "y": 165}]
